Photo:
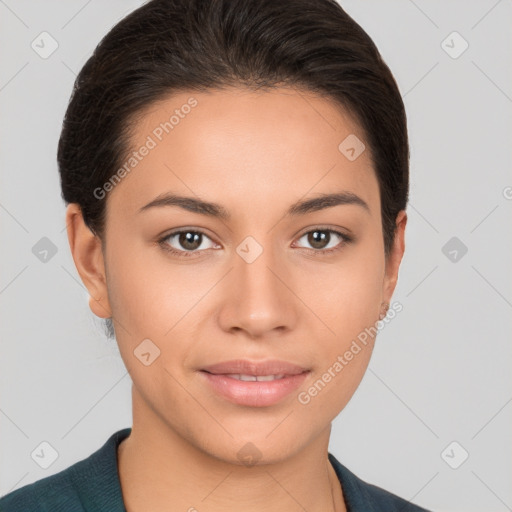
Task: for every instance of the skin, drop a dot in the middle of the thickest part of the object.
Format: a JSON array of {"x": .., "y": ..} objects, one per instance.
[{"x": 255, "y": 153}]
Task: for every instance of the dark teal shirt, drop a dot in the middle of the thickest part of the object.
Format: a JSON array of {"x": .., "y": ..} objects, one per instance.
[{"x": 92, "y": 485}]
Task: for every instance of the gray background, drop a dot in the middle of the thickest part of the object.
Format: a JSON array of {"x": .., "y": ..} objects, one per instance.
[{"x": 441, "y": 368}]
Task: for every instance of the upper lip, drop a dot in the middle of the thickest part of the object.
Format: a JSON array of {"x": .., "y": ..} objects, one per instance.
[{"x": 246, "y": 367}]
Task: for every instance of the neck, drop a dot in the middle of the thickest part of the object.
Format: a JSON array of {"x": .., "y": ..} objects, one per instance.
[{"x": 159, "y": 467}]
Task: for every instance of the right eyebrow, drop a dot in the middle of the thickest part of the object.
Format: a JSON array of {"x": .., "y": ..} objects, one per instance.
[{"x": 190, "y": 204}]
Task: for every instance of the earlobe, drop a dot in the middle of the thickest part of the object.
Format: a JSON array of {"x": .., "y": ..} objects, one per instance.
[
  {"x": 394, "y": 258},
  {"x": 88, "y": 257}
]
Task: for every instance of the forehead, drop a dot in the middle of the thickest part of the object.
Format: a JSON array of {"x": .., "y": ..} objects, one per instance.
[{"x": 237, "y": 145}]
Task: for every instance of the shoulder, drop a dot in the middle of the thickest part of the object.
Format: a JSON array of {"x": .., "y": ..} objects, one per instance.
[
  {"x": 78, "y": 488},
  {"x": 361, "y": 496},
  {"x": 55, "y": 492}
]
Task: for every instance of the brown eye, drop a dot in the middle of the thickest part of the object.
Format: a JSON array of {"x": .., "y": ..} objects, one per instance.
[
  {"x": 318, "y": 239},
  {"x": 189, "y": 240},
  {"x": 186, "y": 241},
  {"x": 325, "y": 240}
]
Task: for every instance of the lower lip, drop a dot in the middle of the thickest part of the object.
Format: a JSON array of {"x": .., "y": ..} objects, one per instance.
[{"x": 254, "y": 393}]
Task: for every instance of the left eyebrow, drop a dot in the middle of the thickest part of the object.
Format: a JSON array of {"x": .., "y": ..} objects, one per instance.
[{"x": 324, "y": 201}]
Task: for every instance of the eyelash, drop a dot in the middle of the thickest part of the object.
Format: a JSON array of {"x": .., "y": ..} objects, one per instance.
[{"x": 346, "y": 239}]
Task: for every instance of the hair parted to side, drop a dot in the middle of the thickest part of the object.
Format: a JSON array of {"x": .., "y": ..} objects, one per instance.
[{"x": 169, "y": 46}]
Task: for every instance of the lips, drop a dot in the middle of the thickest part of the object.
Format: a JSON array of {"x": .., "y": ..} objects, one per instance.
[
  {"x": 254, "y": 383},
  {"x": 255, "y": 368}
]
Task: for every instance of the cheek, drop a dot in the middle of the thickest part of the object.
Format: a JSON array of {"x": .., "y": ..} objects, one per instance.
[
  {"x": 347, "y": 293},
  {"x": 350, "y": 310},
  {"x": 347, "y": 299},
  {"x": 147, "y": 292}
]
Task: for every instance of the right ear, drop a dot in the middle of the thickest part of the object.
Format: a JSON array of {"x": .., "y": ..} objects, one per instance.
[{"x": 88, "y": 257}]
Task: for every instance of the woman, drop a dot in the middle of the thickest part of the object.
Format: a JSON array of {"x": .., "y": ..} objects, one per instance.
[{"x": 236, "y": 175}]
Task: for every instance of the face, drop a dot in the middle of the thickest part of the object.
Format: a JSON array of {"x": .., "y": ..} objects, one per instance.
[{"x": 253, "y": 277}]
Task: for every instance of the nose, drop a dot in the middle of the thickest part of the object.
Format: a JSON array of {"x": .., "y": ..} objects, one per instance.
[{"x": 258, "y": 297}]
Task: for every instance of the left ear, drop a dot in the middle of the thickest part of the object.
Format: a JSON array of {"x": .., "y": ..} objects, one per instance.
[{"x": 394, "y": 258}]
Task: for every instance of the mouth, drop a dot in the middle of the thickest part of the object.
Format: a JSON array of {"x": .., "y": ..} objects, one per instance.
[
  {"x": 253, "y": 378},
  {"x": 245, "y": 368},
  {"x": 252, "y": 383}
]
